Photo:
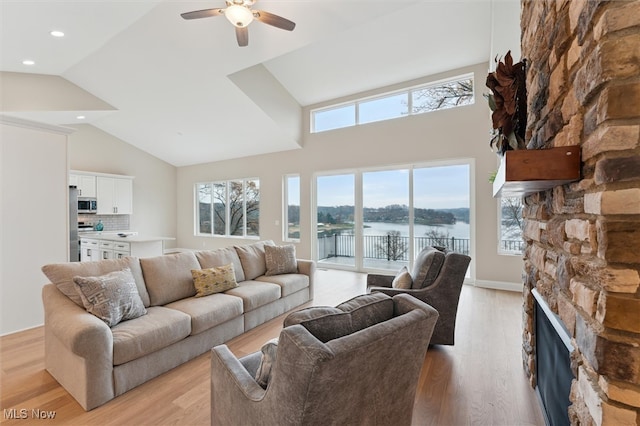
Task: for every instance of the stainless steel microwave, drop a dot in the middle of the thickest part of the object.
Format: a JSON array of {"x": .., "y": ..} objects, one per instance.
[{"x": 87, "y": 205}]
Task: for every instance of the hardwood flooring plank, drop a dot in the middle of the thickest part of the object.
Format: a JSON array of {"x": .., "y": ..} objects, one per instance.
[{"x": 479, "y": 381}]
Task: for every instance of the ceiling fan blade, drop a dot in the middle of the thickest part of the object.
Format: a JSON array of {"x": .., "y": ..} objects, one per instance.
[
  {"x": 206, "y": 13},
  {"x": 274, "y": 20},
  {"x": 242, "y": 35}
]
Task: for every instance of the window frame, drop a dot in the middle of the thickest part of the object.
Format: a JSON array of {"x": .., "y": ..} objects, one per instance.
[
  {"x": 227, "y": 184},
  {"x": 285, "y": 211},
  {"x": 408, "y": 91}
]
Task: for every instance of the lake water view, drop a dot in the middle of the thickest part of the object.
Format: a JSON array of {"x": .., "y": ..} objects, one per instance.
[{"x": 457, "y": 230}]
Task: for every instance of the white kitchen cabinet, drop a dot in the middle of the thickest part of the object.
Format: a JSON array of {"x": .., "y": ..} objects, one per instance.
[
  {"x": 106, "y": 250},
  {"x": 114, "y": 195},
  {"x": 89, "y": 250},
  {"x": 86, "y": 184}
]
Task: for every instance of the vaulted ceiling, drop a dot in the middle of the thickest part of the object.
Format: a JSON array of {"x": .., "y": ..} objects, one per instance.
[{"x": 186, "y": 93}]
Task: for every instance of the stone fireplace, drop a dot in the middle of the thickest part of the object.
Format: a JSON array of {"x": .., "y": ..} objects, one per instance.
[{"x": 583, "y": 239}]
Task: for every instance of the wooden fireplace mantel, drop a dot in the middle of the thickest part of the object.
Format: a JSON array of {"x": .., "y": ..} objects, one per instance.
[{"x": 523, "y": 172}]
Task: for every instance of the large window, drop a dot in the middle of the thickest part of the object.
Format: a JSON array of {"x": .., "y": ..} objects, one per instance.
[
  {"x": 415, "y": 100},
  {"x": 228, "y": 208},
  {"x": 292, "y": 208},
  {"x": 511, "y": 226},
  {"x": 381, "y": 219}
]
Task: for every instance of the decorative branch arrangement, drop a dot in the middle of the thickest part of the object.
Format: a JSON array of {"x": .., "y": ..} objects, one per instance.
[{"x": 508, "y": 101}]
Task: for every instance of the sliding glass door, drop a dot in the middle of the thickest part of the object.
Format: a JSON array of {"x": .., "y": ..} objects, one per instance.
[
  {"x": 381, "y": 219},
  {"x": 385, "y": 219},
  {"x": 335, "y": 224}
]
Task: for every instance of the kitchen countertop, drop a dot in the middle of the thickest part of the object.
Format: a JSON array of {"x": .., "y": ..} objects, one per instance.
[{"x": 113, "y": 236}]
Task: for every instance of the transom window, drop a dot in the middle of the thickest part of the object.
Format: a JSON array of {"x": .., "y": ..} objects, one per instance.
[
  {"x": 228, "y": 208},
  {"x": 415, "y": 100}
]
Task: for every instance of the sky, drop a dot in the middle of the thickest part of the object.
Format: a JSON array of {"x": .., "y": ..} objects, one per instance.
[{"x": 442, "y": 187}]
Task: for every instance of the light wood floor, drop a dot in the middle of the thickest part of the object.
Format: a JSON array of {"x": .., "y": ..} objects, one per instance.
[{"x": 479, "y": 381}]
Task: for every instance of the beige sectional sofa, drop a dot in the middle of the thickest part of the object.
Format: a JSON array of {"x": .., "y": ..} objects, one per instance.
[{"x": 95, "y": 362}]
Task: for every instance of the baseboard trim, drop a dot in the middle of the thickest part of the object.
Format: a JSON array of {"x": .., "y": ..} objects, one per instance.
[
  {"x": 8, "y": 333},
  {"x": 499, "y": 285}
]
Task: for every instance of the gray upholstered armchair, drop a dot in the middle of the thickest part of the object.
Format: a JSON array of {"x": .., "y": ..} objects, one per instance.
[
  {"x": 355, "y": 364},
  {"x": 436, "y": 279}
]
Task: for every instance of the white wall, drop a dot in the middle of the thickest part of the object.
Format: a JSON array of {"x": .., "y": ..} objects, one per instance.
[
  {"x": 441, "y": 135},
  {"x": 34, "y": 219},
  {"x": 154, "y": 186}
]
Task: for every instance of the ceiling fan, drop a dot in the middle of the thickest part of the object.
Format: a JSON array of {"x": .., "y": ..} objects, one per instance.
[{"x": 240, "y": 14}]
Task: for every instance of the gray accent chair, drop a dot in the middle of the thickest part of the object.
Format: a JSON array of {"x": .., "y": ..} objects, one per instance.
[
  {"x": 368, "y": 376},
  {"x": 437, "y": 277}
]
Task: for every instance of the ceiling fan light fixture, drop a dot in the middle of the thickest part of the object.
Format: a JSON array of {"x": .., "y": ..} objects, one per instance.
[{"x": 240, "y": 16}]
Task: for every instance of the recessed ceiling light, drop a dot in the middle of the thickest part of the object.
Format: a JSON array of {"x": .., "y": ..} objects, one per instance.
[
  {"x": 56, "y": 33},
  {"x": 81, "y": 117},
  {"x": 28, "y": 62}
]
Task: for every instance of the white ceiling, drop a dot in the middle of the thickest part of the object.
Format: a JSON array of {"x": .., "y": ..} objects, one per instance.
[{"x": 168, "y": 79}]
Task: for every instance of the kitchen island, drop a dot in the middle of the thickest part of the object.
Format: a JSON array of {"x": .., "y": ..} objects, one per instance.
[{"x": 110, "y": 245}]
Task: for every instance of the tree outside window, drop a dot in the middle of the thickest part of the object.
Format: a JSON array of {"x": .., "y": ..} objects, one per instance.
[
  {"x": 230, "y": 208},
  {"x": 511, "y": 226}
]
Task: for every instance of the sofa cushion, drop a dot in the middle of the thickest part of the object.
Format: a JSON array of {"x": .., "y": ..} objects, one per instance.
[
  {"x": 168, "y": 277},
  {"x": 280, "y": 259},
  {"x": 209, "y": 311},
  {"x": 112, "y": 297},
  {"x": 402, "y": 280},
  {"x": 158, "y": 329},
  {"x": 213, "y": 280},
  {"x": 221, "y": 257},
  {"x": 289, "y": 283},
  {"x": 324, "y": 322},
  {"x": 61, "y": 275},
  {"x": 255, "y": 294},
  {"x": 252, "y": 259},
  {"x": 426, "y": 267},
  {"x": 368, "y": 309}
]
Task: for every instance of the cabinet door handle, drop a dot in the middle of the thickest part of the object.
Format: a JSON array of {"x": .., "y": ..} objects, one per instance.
[
  {"x": 104, "y": 255},
  {"x": 88, "y": 252}
]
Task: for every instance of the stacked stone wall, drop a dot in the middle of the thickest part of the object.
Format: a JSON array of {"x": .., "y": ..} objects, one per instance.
[{"x": 583, "y": 238}]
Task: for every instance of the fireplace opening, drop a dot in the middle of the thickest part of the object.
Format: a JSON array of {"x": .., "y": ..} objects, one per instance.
[{"x": 553, "y": 363}]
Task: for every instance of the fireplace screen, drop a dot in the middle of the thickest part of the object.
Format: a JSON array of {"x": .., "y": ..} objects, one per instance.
[{"x": 553, "y": 365}]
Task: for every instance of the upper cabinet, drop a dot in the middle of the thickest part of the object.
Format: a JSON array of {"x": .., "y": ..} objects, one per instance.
[
  {"x": 86, "y": 184},
  {"x": 114, "y": 195}
]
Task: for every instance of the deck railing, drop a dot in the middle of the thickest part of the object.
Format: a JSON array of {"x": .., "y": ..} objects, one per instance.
[{"x": 394, "y": 247}]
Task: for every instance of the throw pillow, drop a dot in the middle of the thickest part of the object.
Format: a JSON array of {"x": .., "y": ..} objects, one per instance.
[
  {"x": 214, "y": 280},
  {"x": 61, "y": 275},
  {"x": 426, "y": 267},
  {"x": 267, "y": 361},
  {"x": 112, "y": 297},
  {"x": 402, "y": 280},
  {"x": 280, "y": 259}
]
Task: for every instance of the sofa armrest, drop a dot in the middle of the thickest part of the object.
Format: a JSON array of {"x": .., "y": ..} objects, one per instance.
[
  {"x": 308, "y": 268},
  {"x": 83, "y": 333},
  {"x": 78, "y": 349},
  {"x": 375, "y": 280}
]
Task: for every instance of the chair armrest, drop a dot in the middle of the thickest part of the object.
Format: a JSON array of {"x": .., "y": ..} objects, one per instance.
[
  {"x": 229, "y": 372},
  {"x": 395, "y": 291},
  {"x": 375, "y": 280}
]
